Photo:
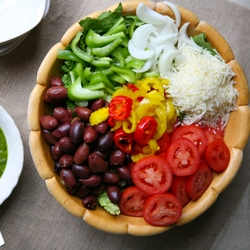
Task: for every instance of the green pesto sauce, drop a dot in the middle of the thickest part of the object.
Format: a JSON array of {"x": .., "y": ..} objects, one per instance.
[{"x": 3, "y": 152}]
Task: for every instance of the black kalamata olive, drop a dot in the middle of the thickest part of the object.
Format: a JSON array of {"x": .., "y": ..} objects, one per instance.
[
  {"x": 48, "y": 122},
  {"x": 97, "y": 104},
  {"x": 62, "y": 114},
  {"x": 83, "y": 113},
  {"x": 82, "y": 191},
  {"x": 106, "y": 141},
  {"x": 66, "y": 160},
  {"x": 97, "y": 163},
  {"x": 90, "y": 202},
  {"x": 81, "y": 171},
  {"x": 81, "y": 154},
  {"x": 90, "y": 135},
  {"x": 92, "y": 181},
  {"x": 61, "y": 131},
  {"x": 117, "y": 157},
  {"x": 66, "y": 145},
  {"x": 76, "y": 131},
  {"x": 111, "y": 177},
  {"x": 101, "y": 128},
  {"x": 68, "y": 177},
  {"x": 114, "y": 193}
]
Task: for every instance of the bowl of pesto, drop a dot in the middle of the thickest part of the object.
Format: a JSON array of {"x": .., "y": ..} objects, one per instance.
[{"x": 11, "y": 155}]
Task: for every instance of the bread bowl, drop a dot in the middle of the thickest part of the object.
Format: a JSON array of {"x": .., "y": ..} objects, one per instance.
[{"x": 239, "y": 121}]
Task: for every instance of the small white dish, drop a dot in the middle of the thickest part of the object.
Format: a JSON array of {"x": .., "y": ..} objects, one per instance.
[
  {"x": 8, "y": 47},
  {"x": 17, "y": 17},
  {"x": 14, "y": 166}
]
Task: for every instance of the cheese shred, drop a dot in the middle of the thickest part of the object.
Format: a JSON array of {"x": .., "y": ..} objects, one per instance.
[{"x": 201, "y": 87}]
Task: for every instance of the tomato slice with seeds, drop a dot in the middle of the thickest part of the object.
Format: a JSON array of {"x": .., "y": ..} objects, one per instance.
[
  {"x": 145, "y": 130},
  {"x": 213, "y": 133},
  {"x": 198, "y": 182},
  {"x": 217, "y": 155},
  {"x": 178, "y": 189},
  {"x": 152, "y": 175},
  {"x": 133, "y": 201},
  {"x": 193, "y": 133},
  {"x": 120, "y": 107},
  {"x": 183, "y": 157},
  {"x": 162, "y": 210}
]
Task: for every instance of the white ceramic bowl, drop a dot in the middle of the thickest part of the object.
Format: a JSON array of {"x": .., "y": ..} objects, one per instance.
[{"x": 14, "y": 165}]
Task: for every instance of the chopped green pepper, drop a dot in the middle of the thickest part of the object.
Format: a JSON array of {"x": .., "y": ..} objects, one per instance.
[
  {"x": 77, "y": 93},
  {"x": 106, "y": 50},
  {"x": 71, "y": 56},
  {"x": 127, "y": 74},
  {"x": 94, "y": 40},
  {"x": 79, "y": 52},
  {"x": 99, "y": 77}
]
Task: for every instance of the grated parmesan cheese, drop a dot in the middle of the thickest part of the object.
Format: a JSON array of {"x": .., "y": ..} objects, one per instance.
[{"x": 201, "y": 86}]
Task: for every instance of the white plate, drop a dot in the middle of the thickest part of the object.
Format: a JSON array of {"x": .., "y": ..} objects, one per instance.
[
  {"x": 17, "y": 17},
  {"x": 14, "y": 165},
  {"x": 8, "y": 47}
]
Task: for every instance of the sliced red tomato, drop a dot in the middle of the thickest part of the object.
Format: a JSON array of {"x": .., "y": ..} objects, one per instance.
[
  {"x": 124, "y": 141},
  {"x": 213, "y": 133},
  {"x": 133, "y": 201},
  {"x": 183, "y": 157},
  {"x": 217, "y": 155},
  {"x": 198, "y": 182},
  {"x": 193, "y": 133},
  {"x": 163, "y": 143},
  {"x": 145, "y": 130},
  {"x": 120, "y": 107},
  {"x": 178, "y": 189},
  {"x": 152, "y": 175},
  {"x": 162, "y": 210}
]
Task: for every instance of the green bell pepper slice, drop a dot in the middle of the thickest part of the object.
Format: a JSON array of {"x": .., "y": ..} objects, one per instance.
[
  {"x": 127, "y": 74},
  {"x": 99, "y": 77},
  {"x": 79, "y": 52},
  {"x": 77, "y": 93},
  {"x": 106, "y": 50},
  {"x": 94, "y": 40}
]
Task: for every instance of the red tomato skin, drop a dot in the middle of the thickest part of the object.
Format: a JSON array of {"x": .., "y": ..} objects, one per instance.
[
  {"x": 193, "y": 133},
  {"x": 217, "y": 155},
  {"x": 213, "y": 133},
  {"x": 178, "y": 189},
  {"x": 198, "y": 182},
  {"x": 162, "y": 210},
  {"x": 183, "y": 147},
  {"x": 133, "y": 201},
  {"x": 156, "y": 170},
  {"x": 163, "y": 143}
]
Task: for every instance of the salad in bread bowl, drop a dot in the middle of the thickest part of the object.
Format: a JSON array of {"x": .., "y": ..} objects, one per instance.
[{"x": 132, "y": 116}]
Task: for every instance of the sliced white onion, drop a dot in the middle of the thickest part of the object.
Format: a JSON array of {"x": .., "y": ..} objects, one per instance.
[
  {"x": 168, "y": 28},
  {"x": 161, "y": 40},
  {"x": 141, "y": 35},
  {"x": 138, "y": 53},
  {"x": 158, "y": 51},
  {"x": 146, "y": 66},
  {"x": 184, "y": 39},
  {"x": 147, "y": 15},
  {"x": 165, "y": 61},
  {"x": 176, "y": 12}
]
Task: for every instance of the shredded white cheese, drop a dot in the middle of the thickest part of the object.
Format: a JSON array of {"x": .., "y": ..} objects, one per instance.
[{"x": 201, "y": 86}]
